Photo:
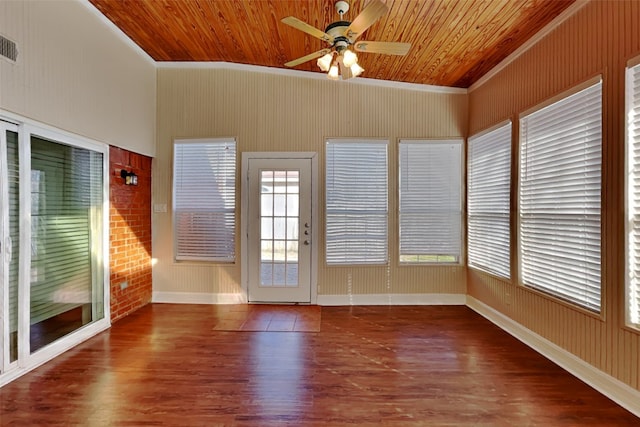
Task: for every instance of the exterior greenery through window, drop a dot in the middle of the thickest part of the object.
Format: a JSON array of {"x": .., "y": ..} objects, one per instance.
[
  {"x": 559, "y": 197},
  {"x": 430, "y": 201},
  {"x": 488, "y": 201},
  {"x": 204, "y": 187}
]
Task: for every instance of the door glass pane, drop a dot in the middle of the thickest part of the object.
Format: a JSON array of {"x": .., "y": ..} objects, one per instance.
[
  {"x": 279, "y": 219},
  {"x": 66, "y": 240},
  {"x": 14, "y": 235}
]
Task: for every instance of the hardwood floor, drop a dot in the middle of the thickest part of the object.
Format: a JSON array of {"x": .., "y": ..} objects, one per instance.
[{"x": 165, "y": 365}]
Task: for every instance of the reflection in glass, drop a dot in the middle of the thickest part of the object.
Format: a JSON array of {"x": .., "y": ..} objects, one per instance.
[
  {"x": 13, "y": 171},
  {"x": 67, "y": 286}
]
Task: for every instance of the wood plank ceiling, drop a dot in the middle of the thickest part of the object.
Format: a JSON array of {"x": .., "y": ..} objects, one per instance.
[{"x": 453, "y": 42}]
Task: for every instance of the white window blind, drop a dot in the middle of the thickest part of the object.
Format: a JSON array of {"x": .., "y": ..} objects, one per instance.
[
  {"x": 488, "y": 198},
  {"x": 356, "y": 202},
  {"x": 430, "y": 201},
  {"x": 633, "y": 198},
  {"x": 559, "y": 198},
  {"x": 204, "y": 186}
]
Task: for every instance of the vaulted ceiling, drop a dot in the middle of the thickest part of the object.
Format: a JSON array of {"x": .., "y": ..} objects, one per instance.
[{"x": 453, "y": 42}]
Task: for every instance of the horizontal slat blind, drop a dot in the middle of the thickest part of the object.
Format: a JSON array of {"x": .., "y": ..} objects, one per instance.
[
  {"x": 14, "y": 227},
  {"x": 356, "y": 202},
  {"x": 633, "y": 186},
  {"x": 204, "y": 186},
  {"x": 430, "y": 201},
  {"x": 488, "y": 201},
  {"x": 66, "y": 184},
  {"x": 560, "y": 198}
]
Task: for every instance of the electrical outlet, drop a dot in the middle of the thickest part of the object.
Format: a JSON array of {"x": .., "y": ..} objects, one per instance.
[
  {"x": 507, "y": 298},
  {"x": 124, "y": 285}
]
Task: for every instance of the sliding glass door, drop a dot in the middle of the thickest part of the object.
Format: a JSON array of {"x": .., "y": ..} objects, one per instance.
[
  {"x": 66, "y": 218},
  {"x": 9, "y": 238},
  {"x": 53, "y": 235}
]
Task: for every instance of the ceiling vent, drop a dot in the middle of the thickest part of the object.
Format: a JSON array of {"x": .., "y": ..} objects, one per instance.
[{"x": 8, "y": 49}]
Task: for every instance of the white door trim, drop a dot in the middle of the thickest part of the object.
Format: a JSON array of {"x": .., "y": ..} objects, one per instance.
[{"x": 244, "y": 205}]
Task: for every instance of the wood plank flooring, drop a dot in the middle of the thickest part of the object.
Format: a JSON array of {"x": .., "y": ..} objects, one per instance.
[
  {"x": 165, "y": 365},
  {"x": 269, "y": 318}
]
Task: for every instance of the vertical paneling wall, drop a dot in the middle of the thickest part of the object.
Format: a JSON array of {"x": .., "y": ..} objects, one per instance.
[
  {"x": 269, "y": 112},
  {"x": 130, "y": 233},
  {"x": 598, "y": 40},
  {"x": 73, "y": 73}
]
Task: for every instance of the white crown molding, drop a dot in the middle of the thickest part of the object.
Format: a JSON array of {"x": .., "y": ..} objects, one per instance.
[
  {"x": 566, "y": 14},
  {"x": 616, "y": 390},
  {"x": 117, "y": 31},
  {"x": 220, "y": 65}
]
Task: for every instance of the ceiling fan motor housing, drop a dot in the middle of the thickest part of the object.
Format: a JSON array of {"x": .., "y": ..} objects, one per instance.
[{"x": 337, "y": 30}]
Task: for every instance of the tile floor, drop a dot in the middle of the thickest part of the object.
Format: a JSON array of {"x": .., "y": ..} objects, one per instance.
[{"x": 273, "y": 318}]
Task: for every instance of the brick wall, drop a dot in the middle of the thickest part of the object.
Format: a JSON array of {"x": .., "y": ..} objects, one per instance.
[{"x": 130, "y": 239}]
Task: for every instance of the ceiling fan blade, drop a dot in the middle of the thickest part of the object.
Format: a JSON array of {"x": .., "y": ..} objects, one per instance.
[
  {"x": 345, "y": 71},
  {"x": 306, "y": 58},
  {"x": 303, "y": 26},
  {"x": 390, "y": 48},
  {"x": 370, "y": 14}
]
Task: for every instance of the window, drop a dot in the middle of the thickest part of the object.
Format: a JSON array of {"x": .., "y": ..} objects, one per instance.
[
  {"x": 356, "y": 202},
  {"x": 488, "y": 198},
  {"x": 430, "y": 201},
  {"x": 204, "y": 188},
  {"x": 559, "y": 198},
  {"x": 633, "y": 197}
]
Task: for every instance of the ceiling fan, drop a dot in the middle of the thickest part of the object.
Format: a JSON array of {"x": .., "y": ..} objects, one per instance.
[{"x": 338, "y": 59}]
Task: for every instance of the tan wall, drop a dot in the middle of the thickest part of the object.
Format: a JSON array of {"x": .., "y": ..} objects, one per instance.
[
  {"x": 270, "y": 112},
  {"x": 599, "y": 39},
  {"x": 73, "y": 73}
]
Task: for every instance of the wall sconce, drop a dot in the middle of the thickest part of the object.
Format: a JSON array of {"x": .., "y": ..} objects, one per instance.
[{"x": 130, "y": 178}]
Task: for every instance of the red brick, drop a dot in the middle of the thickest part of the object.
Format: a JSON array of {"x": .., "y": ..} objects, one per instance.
[{"x": 130, "y": 240}]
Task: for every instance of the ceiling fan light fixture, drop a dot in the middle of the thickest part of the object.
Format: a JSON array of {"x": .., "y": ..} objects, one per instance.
[
  {"x": 333, "y": 73},
  {"x": 349, "y": 58},
  {"x": 356, "y": 70},
  {"x": 325, "y": 62}
]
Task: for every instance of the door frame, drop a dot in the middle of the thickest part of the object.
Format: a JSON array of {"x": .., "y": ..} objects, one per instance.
[
  {"x": 28, "y": 360},
  {"x": 244, "y": 206}
]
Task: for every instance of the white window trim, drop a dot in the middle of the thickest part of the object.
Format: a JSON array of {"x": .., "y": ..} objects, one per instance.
[
  {"x": 632, "y": 308},
  {"x": 380, "y": 141},
  {"x": 229, "y": 259},
  {"x": 471, "y": 139},
  {"x": 462, "y": 251},
  {"x": 521, "y": 282}
]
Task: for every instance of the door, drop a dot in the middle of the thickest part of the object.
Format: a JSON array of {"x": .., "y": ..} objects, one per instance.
[
  {"x": 9, "y": 217},
  {"x": 279, "y": 230}
]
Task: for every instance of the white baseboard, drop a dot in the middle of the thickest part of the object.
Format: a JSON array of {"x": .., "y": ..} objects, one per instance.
[
  {"x": 614, "y": 389},
  {"x": 393, "y": 299},
  {"x": 363, "y": 299},
  {"x": 197, "y": 298}
]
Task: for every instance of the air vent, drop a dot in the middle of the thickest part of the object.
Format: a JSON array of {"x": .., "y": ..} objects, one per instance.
[{"x": 8, "y": 49}]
